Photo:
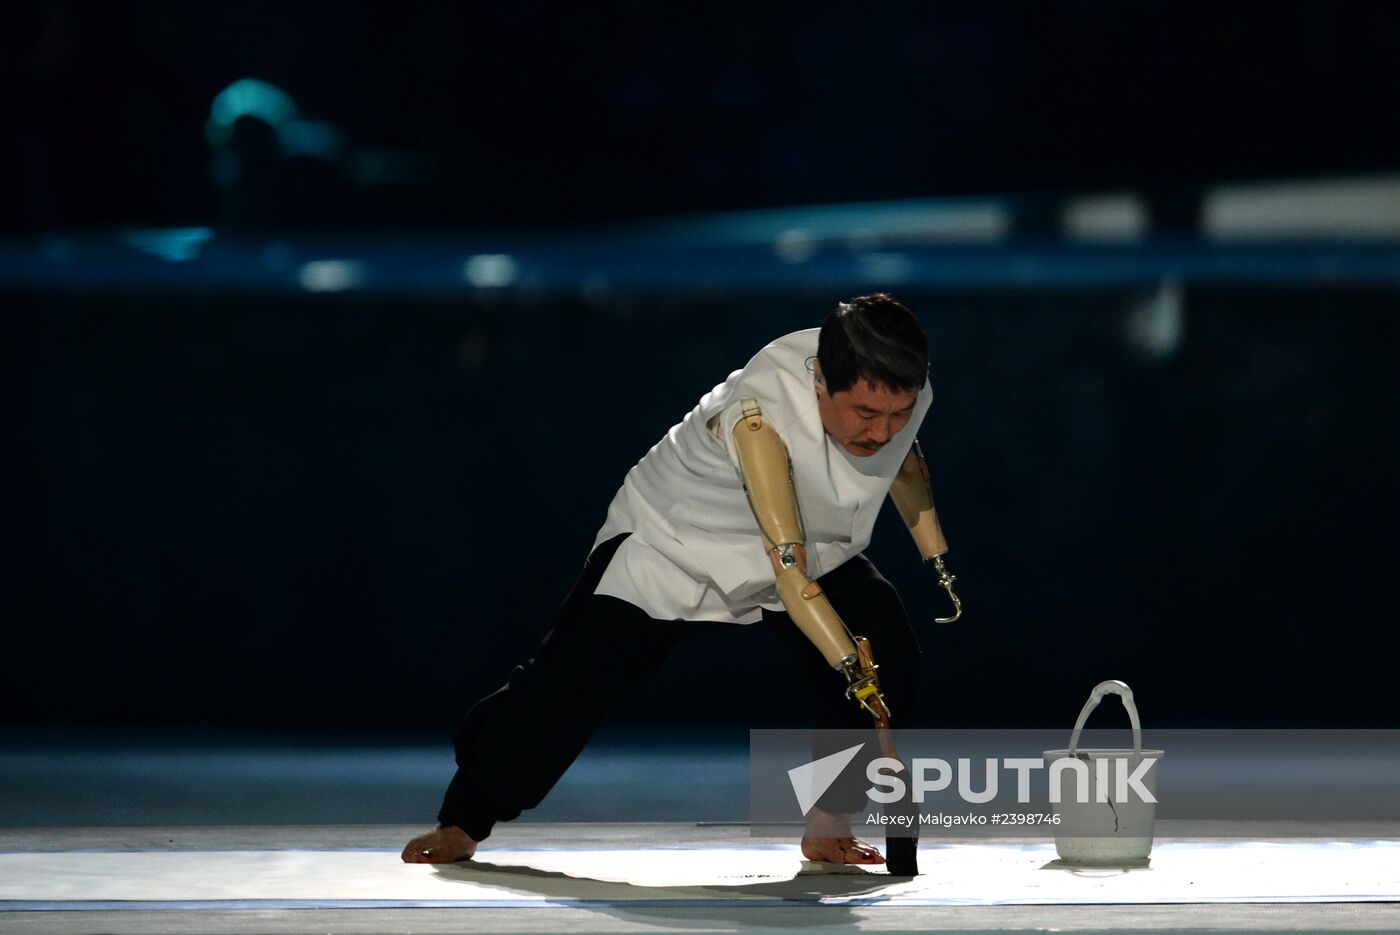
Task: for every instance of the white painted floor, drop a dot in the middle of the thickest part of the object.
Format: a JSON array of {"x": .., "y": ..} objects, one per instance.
[
  {"x": 663, "y": 877},
  {"x": 643, "y": 835}
]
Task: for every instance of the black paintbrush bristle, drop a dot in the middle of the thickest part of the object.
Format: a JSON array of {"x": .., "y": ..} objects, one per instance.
[{"x": 902, "y": 856}]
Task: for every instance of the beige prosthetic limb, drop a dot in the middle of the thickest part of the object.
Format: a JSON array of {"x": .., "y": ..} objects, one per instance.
[
  {"x": 767, "y": 473},
  {"x": 911, "y": 495}
]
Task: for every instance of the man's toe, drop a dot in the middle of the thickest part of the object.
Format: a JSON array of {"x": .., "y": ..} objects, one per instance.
[{"x": 858, "y": 852}]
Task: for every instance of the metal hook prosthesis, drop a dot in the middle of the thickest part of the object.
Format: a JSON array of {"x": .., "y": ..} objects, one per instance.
[{"x": 946, "y": 580}]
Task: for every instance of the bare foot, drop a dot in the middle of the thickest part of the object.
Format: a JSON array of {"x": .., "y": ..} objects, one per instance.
[
  {"x": 439, "y": 846},
  {"x": 847, "y": 850},
  {"x": 829, "y": 838}
]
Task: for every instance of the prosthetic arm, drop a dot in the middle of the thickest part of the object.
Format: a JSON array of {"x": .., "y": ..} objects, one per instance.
[
  {"x": 911, "y": 495},
  {"x": 767, "y": 474}
]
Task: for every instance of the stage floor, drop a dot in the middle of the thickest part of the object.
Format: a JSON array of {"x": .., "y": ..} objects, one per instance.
[
  {"x": 644, "y": 877},
  {"x": 644, "y": 834}
]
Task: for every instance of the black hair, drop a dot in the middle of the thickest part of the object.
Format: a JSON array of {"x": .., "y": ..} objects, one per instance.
[{"x": 876, "y": 338}]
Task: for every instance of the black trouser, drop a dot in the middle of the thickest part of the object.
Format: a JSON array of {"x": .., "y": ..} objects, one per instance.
[{"x": 601, "y": 648}]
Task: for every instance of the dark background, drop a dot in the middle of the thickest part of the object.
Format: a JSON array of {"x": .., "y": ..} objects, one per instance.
[
  {"x": 533, "y": 113},
  {"x": 261, "y": 507}
]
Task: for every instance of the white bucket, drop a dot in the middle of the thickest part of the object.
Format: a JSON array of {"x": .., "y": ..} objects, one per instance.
[{"x": 1114, "y": 826}]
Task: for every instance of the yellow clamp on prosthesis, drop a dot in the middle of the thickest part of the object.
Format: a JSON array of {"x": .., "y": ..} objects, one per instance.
[
  {"x": 864, "y": 683},
  {"x": 864, "y": 689}
]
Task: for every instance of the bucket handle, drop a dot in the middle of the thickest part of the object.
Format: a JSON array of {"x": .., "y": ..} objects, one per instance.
[{"x": 1115, "y": 687}]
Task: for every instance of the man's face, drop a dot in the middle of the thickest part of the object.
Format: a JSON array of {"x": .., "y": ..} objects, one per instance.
[{"x": 864, "y": 417}]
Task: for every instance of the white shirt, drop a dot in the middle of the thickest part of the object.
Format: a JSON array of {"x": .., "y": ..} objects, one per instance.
[{"x": 696, "y": 552}]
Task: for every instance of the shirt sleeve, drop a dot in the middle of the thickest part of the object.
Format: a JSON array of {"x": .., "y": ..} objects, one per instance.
[{"x": 721, "y": 427}]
